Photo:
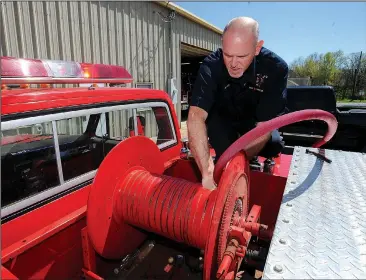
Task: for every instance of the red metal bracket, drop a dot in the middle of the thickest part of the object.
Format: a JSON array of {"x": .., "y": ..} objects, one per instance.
[
  {"x": 91, "y": 275},
  {"x": 88, "y": 257}
]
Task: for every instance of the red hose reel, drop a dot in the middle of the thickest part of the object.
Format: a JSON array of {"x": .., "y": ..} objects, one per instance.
[{"x": 130, "y": 192}]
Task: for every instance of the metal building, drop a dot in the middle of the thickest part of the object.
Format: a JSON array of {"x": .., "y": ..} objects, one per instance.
[{"x": 150, "y": 39}]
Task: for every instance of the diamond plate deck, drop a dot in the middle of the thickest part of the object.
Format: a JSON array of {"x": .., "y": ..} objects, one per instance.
[{"x": 321, "y": 226}]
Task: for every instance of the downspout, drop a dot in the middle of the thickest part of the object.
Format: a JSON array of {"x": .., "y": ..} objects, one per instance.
[
  {"x": 171, "y": 49},
  {"x": 171, "y": 87}
]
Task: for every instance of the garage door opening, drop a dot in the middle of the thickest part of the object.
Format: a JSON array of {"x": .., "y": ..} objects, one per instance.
[{"x": 191, "y": 59}]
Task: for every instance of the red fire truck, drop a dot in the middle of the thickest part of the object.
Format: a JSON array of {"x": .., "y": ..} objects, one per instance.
[{"x": 96, "y": 183}]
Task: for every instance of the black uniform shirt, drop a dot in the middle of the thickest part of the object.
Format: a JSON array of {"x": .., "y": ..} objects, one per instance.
[{"x": 258, "y": 95}]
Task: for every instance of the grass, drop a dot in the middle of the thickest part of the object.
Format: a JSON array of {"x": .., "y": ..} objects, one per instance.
[{"x": 350, "y": 101}]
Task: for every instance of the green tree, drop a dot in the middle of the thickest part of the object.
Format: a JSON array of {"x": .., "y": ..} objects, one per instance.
[{"x": 346, "y": 73}]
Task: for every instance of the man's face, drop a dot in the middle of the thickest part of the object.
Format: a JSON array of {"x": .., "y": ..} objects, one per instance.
[{"x": 239, "y": 51}]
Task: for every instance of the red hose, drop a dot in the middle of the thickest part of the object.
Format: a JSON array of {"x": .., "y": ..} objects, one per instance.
[{"x": 268, "y": 126}]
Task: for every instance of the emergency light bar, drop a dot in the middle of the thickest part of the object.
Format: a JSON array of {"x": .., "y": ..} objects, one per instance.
[{"x": 37, "y": 71}]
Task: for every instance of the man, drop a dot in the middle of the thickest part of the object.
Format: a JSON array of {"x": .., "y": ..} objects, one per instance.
[{"x": 237, "y": 88}]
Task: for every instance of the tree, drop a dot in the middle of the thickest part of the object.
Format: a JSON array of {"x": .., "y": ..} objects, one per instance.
[
  {"x": 353, "y": 75},
  {"x": 346, "y": 73}
]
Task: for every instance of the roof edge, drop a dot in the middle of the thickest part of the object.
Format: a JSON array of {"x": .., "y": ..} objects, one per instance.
[{"x": 189, "y": 16}]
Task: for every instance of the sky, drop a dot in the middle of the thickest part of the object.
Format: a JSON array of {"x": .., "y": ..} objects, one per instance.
[{"x": 295, "y": 29}]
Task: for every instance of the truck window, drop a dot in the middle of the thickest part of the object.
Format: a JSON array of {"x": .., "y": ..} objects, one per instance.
[
  {"x": 46, "y": 155},
  {"x": 149, "y": 121},
  {"x": 156, "y": 124},
  {"x": 118, "y": 124},
  {"x": 113, "y": 128},
  {"x": 28, "y": 162},
  {"x": 80, "y": 151}
]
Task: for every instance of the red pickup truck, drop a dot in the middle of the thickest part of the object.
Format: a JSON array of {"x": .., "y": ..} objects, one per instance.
[{"x": 97, "y": 184}]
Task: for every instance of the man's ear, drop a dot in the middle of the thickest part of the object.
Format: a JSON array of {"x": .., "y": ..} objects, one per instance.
[{"x": 259, "y": 47}]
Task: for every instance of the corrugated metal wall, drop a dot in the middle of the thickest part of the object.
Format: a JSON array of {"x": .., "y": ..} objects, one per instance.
[{"x": 131, "y": 34}]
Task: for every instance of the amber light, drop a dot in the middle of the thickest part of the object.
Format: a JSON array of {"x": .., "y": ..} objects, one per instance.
[{"x": 103, "y": 71}]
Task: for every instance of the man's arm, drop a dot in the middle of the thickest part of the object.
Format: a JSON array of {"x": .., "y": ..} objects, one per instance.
[
  {"x": 255, "y": 147},
  {"x": 198, "y": 143},
  {"x": 201, "y": 103}
]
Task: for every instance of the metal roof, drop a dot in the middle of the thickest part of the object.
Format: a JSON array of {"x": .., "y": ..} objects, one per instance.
[{"x": 190, "y": 16}]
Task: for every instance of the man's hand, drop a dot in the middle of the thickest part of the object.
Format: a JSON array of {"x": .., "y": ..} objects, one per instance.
[
  {"x": 239, "y": 275},
  {"x": 209, "y": 183}
]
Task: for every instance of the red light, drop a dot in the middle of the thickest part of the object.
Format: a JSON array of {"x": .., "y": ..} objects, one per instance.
[
  {"x": 16, "y": 67},
  {"x": 34, "y": 71},
  {"x": 103, "y": 71}
]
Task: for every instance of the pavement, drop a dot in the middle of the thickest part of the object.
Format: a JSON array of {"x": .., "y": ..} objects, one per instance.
[
  {"x": 183, "y": 125},
  {"x": 352, "y": 105},
  {"x": 183, "y": 129}
]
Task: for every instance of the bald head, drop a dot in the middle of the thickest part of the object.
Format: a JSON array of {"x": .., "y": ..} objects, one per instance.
[
  {"x": 244, "y": 26},
  {"x": 240, "y": 44}
]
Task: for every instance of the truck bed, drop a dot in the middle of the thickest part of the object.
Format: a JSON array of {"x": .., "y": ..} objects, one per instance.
[
  {"x": 321, "y": 227},
  {"x": 356, "y": 117}
]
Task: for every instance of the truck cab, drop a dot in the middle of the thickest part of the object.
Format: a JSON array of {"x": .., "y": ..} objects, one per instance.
[{"x": 53, "y": 140}]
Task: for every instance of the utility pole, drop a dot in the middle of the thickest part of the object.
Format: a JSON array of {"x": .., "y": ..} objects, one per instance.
[{"x": 355, "y": 77}]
